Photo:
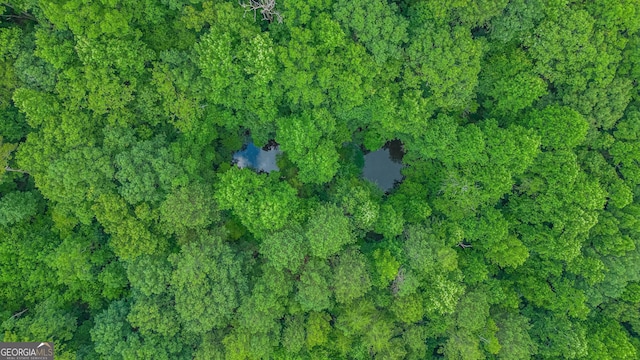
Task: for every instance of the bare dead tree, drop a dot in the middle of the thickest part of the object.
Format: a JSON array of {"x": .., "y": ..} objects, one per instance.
[
  {"x": 15, "y": 170},
  {"x": 267, "y": 9},
  {"x": 463, "y": 245},
  {"x": 17, "y": 315},
  {"x": 18, "y": 15},
  {"x": 397, "y": 282}
]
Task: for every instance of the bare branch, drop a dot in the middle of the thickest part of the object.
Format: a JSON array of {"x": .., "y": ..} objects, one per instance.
[
  {"x": 15, "y": 170},
  {"x": 397, "y": 282},
  {"x": 266, "y": 7},
  {"x": 17, "y": 315}
]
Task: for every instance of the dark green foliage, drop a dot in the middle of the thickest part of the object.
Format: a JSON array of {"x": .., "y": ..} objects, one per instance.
[
  {"x": 376, "y": 25},
  {"x": 313, "y": 287},
  {"x": 208, "y": 283},
  {"x": 188, "y": 207},
  {"x": 350, "y": 276},
  {"x": 285, "y": 249},
  {"x": 127, "y": 232},
  {"x": 17, "y": 206}
]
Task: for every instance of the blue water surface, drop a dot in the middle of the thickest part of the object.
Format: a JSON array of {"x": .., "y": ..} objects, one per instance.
[{"x": 256, "y": 158}]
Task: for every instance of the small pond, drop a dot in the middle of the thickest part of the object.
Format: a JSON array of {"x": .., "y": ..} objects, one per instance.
[
  {"x": 259, "y": 159},
  {"x": 383, "y": 166}
]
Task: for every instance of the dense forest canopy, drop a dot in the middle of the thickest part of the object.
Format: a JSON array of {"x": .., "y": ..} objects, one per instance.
[{"x": 128, "y": 232}]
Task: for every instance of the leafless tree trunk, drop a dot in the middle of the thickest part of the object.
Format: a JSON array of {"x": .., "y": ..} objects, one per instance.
[
  {"x": 395, "y": 286},
  {"x": 17, "y": 315},
  {"x": 15, "y": 170},
  {"x": 23, "y": 15}
]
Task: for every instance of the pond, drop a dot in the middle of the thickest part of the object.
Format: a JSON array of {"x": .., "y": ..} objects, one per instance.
[
  {"x": 259, "y": 159},
  {"x": 383, "y": 166}
]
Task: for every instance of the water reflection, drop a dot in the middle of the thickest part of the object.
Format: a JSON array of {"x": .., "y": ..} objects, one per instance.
[
  {"x": 383, "y": 166},
  {"x": 256, "y": 158}
]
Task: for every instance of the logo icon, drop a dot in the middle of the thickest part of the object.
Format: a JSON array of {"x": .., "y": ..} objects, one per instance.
[{"x": 26, "y": 351}]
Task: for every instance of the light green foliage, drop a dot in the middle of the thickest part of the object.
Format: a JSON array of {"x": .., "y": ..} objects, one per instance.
[
  {"x": 460, "y": 192},
  {"x": 355, "y": 317},
  {"x": 520, "y": 17},
  {"x": 408, "y": 309},
  {"x": 320, "y": 67},
  {"x": 624, "y": 150},
  {"x": 293, "y": 334},
  {"x": 239, "y": 63},
  {"x": 608, "y": 340},
  {"x": 426, "y": 251},
  {"x": 474, "y": 330},
  {"x": 55, "y": 47},
  {"x": 559, "y": 127},
  {"x": 75, "y": 178},
  {"x": 358, "y": 201},
  {"x": 130, "y": 237},
  {"x": 309, "y": 142},
  {"x": 386, "y": 267},
  {"x": 508, "y": 84},
  {"x": 561, "y": 337},
  {"x": 390, "y": 223},
  {"x": 79, "y": 263},
  {"x": 446, "y": 61},
  {"x": 556, "y": 50},
  {"x": 410, "y": 200},
  {"x": 621, "y": 270},
  {"x": 242, "y": 345},
  {"x": 328, "y": 230},
  {"x": 154, "y": 315},
  {"x": 414, "y": 338},
  {"x": 378, "y": 337},
  {"x": 261, "y": 202},
  {"x": 49, "y": 319},
  {"x": 546, "y": 289},
  {"x": 579, "y": 55},
  {"x": 559, "y": 205},
  {"x": 317, "y": 329},
  {"x": 468, "y": 12},
  {"x": 490, "y": 234},
  {"x": 126, "y": 231},
  {"x": 10, "y": 45},
  {"x": 113, "y": 281}
]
